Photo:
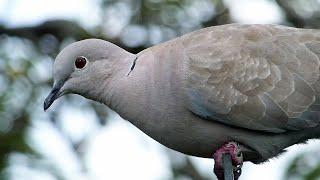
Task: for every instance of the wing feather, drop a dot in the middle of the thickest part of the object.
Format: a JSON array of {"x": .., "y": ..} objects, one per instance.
[{"x": 260, "y": 77}]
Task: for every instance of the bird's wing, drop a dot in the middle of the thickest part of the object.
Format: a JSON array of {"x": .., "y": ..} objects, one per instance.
[{"x": 259, "y": 77}]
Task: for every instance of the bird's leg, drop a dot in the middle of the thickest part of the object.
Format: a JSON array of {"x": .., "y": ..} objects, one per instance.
[{"x": 232, "y": 151}]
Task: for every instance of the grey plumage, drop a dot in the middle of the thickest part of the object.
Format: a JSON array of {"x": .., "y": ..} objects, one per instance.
[{"x": 254, "y": 84}]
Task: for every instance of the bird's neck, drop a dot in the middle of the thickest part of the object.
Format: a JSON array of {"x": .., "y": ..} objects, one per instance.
[
  {"x": 149, "y": 94},
  {"x": 137, "y": 97},
  {"x": 125, "y": 92}
]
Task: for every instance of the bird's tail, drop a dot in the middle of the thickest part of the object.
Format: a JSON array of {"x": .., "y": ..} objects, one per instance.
[
  {"x": 310, "y": 133},
  {"x": 280, "y": 142}
]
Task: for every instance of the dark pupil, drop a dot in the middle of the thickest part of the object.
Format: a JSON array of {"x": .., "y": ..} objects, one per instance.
[{"x": 80, "y": 62}]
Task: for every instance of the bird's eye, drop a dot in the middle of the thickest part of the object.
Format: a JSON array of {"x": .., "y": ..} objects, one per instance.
[{"x": 80, "y": 62}]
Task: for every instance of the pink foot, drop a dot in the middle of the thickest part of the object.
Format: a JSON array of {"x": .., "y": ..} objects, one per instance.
[{"x": 234, "y": 150}]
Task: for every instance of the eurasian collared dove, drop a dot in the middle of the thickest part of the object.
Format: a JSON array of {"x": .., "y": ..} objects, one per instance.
[{"x": 257, "y": 85}]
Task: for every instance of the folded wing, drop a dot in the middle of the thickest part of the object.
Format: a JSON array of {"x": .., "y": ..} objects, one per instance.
[{"x": 259, "y": 77}]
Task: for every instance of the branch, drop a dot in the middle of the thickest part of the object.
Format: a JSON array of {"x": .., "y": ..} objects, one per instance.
[
  {"x": 61, "y": 29},
  {"x": 227, "y": 169}
]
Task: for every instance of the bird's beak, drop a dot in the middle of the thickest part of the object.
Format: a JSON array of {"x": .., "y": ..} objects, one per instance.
[{"x": 54, "y": 94}]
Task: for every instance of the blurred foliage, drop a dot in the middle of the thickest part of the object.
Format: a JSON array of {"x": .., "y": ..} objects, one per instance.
[
  {"x": 133, "y": 25},
  {"x": 305, "y": 166}
]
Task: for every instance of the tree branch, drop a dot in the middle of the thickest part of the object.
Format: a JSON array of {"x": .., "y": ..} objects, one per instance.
[{"x": 61, "y": 29}]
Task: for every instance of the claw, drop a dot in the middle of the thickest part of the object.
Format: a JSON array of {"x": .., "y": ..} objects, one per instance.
[{"x": 234, "y": 150}]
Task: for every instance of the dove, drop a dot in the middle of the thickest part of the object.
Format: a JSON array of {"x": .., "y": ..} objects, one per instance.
[{"x": 247, "y": 90}]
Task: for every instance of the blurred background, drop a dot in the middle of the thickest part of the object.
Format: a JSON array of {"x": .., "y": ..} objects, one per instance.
[{"x": 78, "y": 139}]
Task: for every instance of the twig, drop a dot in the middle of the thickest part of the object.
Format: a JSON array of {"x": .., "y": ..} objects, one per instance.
[{"x": 227, "y": 167}]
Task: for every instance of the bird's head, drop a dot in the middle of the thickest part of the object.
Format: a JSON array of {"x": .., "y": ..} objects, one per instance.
[{"x": 83, "y": 65}]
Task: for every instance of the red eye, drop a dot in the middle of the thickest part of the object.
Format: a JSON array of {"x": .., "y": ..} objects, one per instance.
[{"x": 80, "y": 62}]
